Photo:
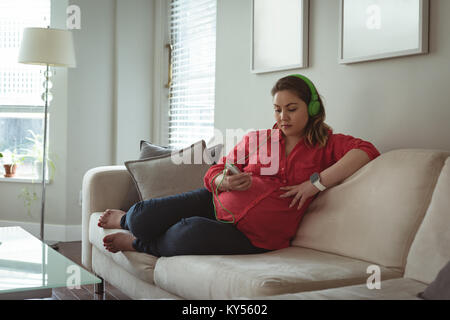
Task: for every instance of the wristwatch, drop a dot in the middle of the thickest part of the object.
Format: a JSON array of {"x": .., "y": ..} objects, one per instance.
[{"x": 315, "y": 180}]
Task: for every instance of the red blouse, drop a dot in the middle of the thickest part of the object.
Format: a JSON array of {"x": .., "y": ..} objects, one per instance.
[{"x": 259, "y": 212}]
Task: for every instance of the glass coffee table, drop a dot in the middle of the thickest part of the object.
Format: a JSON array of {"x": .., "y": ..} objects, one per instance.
[{"x": 31, "y": 269}]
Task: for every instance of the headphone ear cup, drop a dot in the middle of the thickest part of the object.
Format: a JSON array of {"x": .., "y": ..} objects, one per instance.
[{"x": 314, "y": 108}]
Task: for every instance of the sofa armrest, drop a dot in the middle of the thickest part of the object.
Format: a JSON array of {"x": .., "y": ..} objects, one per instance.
[{"x": 109, "y": 187}]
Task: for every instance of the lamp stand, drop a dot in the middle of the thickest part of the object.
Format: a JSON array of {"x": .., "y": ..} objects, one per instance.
[
  {"x": 46, "y": 47},
  {"x": 47, "y": 74}
]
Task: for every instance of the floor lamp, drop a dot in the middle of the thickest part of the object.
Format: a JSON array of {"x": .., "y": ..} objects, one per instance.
[{"x": 50, "y": 48}]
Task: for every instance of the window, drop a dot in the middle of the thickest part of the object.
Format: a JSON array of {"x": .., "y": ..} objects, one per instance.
[
  {"x": 21, "y": 106},
  {"x": 192, "y": 90}
]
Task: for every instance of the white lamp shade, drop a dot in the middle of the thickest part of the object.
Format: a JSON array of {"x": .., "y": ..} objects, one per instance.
[{"x": 44, "y": 46}]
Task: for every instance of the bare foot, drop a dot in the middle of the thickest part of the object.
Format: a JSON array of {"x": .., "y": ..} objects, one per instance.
[
  {"x": 120, "y": 241},
  {"x": 110, "y": 219}
]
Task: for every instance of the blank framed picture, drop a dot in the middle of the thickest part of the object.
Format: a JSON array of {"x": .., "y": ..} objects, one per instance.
[
  {"x": 380, "y": 29},
  {"x": 279, "y": 35}
]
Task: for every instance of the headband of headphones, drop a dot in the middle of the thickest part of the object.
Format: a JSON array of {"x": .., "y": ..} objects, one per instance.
[{"x": 314, "y": 104}]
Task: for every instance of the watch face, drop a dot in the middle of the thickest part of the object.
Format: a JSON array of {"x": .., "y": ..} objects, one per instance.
[{"x": 315, "y": 177}]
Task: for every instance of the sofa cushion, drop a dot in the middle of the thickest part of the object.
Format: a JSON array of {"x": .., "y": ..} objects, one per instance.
[
  {"x": 393, "y": 289},
  {"x": 374, "y": 214},
  {"x": 178, "y": 172},
  {"x": 150, "y": 150},
  {"x": 291, "y": 269},
  {"x": 130, "y": 285},
  {"x": 147, "y": 150},
  {"x": 430, "y": 250},
  {"x": 138, "y": 264}
]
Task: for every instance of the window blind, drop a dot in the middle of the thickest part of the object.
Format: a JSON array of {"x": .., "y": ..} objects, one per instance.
[
  {"x": 20, "y": 84},
  {"x": 192, "y": 91}
]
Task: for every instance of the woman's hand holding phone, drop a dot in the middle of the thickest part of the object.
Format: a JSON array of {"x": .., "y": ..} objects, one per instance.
[{"x": 234, "y": 182}]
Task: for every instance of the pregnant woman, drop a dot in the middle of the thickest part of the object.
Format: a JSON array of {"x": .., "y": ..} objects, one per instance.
[{"x": 259, "y": 208}]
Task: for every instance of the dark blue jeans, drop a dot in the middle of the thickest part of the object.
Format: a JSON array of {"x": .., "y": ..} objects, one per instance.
[{"x": 183, "y": 224}]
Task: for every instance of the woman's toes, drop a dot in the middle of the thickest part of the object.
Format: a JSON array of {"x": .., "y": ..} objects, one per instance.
[
  {"x": 103, "y": 217},
  {"x": 111, "y": 219},
  {"x": 108, "y": 239},
  {"x": 119, "y": 242},
  {"x": 108, "y": 246},
  {"x": 110, "y": 249}
]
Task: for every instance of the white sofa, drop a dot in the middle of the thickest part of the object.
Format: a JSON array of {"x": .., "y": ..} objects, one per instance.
[{"x": 393, "y": 213}]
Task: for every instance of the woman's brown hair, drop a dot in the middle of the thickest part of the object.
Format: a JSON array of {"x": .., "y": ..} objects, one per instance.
[{"x": 316, "y": 131}]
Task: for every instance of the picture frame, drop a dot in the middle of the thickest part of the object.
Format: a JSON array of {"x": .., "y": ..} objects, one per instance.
[
  {"x": 279, "y": 35},
  {"x": 374, "y": 29}
]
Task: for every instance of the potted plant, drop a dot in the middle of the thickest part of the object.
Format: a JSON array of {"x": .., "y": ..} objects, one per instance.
[
  {"x": 36, "y": 153},
  {"x": 11, "y": 163}
]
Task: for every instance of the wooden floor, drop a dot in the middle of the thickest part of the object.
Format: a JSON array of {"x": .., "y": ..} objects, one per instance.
[{"x": 72, "y": 250}]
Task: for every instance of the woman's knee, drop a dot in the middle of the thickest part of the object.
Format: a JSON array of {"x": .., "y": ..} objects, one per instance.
[
  {"x": 184, "y": 237},
  {"x": 185, "y": 226},
  {"x": 193, "y": 225}
]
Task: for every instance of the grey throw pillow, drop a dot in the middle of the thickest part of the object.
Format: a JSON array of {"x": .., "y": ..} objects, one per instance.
[
  {"x": 149, "y": 150},
  {"x": 177, "y": 172},
  {"x": 439, "y": 289}
]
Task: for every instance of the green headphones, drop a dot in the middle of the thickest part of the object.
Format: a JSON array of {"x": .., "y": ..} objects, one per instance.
[{"x": 314, "y": 104}]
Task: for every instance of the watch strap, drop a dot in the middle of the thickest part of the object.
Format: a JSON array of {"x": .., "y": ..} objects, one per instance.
[
  {"x": 315, "y": 180},
  {"x": 319, "y": 186}
]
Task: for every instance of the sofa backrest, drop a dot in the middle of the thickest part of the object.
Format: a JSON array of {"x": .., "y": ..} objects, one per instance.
[
  {"x": 430, "y": 250},
  {"x": 374, "y": 214}
]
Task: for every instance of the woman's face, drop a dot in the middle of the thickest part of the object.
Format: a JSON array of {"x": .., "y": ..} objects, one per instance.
[{"x": 291, "y": 113}]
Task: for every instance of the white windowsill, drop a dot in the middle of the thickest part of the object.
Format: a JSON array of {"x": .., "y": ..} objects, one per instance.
[{"x": 19, "y": 179}]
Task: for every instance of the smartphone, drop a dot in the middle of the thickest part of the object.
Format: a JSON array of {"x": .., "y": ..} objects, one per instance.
[{"x": 233, "y": 169}]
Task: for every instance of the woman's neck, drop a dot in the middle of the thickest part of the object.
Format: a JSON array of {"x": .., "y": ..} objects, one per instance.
[
  {"x": 290, "y": 143},
  {"x": 292, "y": 140}
]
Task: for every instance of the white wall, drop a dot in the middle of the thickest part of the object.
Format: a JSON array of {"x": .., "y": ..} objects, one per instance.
[
  {"x": 90, "y": 128},
  {"x": 134, "y": 74},
  {"x": 109, "y": 91},
  {"x": 395, "y": 103}
]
